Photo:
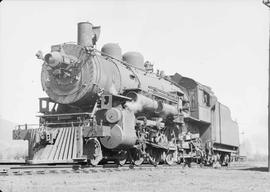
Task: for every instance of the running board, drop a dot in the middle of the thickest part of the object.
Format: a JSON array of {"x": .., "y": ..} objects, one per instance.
[{"x": 169, "y": 148}]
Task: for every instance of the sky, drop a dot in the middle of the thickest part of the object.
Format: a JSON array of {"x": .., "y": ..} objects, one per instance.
[{"x": 222, "y": 44}]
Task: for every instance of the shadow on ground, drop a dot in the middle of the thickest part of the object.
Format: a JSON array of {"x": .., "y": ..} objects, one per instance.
[{"x": 261, "y": 169}]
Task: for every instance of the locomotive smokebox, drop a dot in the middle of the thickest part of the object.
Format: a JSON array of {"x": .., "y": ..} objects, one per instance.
[{"x": 85, "y": 34}]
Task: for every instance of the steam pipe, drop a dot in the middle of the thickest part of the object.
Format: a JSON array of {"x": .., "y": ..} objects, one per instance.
[{"x": 142, "y": 102}]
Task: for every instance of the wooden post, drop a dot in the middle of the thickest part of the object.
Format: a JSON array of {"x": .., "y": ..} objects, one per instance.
[
  {"x": 269, "y": 101},
  {"x": 267, "y": 3}
]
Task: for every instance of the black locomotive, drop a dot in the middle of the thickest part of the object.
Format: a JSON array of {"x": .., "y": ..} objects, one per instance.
[{"x": 105, "y": 105}]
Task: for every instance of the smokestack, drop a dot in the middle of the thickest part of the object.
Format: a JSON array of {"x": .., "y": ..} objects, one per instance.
[{"x": 85, "y": 34}]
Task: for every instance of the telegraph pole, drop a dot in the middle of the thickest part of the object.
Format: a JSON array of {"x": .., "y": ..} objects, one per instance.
[{"x": 267, "y": 3}]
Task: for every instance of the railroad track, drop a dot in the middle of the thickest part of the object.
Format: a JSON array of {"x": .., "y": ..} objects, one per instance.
[
  {"x": 26, "y": 169},
  {"x": 67, "y": 169}
]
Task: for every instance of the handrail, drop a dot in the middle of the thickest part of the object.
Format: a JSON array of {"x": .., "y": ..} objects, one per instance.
[
  {"x": 64, "y": 114},
  {"x": 27, "y": 126}
]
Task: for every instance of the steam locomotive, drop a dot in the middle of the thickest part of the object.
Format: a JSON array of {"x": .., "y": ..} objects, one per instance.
[{"x": 103, "y": 105}]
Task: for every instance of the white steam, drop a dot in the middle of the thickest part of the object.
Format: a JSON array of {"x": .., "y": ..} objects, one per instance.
[{"x": 113, "y": 90}]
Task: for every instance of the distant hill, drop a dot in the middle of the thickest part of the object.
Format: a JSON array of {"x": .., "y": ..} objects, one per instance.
[{"x": 10, "y": 149}]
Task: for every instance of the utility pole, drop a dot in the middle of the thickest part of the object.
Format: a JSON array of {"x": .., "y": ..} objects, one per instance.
[{"x": 267, "y": 3}]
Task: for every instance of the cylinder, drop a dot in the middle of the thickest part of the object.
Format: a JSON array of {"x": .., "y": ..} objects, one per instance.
[
  {"x": 85, "y": 34},
  {"x": 123, "y": 134}
]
